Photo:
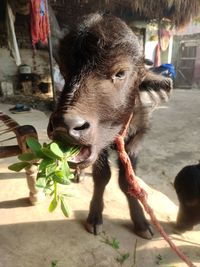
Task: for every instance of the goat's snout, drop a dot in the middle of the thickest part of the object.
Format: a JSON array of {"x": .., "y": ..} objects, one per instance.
[
  {"x": 72, "y": 127},
  {"x": 77, "y": 127}
]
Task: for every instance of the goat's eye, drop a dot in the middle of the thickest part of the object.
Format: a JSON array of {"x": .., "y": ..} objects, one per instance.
[{"x": 120, "y": 75}]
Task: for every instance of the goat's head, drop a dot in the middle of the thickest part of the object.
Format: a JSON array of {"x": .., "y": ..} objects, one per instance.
[{"x": 103, "y": 67}]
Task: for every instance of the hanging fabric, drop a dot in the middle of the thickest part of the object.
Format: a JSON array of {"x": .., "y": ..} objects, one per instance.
[
  {"x": 39, "y": 21},
  {"x": 157, "y": 60},
  {"x": 165, "y": 36},
  {"x": 12, "y": 40}
]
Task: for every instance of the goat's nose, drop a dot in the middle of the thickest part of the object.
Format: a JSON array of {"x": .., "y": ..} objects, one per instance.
[
  {"x": 73, "y": 126},
  {"x": 77, "y": 126}
]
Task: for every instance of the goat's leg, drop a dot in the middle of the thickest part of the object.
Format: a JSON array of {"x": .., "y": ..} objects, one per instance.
[
  {"x": 101, "y": 176},
  {"x": 187, "y": 217},
  {"x": 79, "y": 175},
  {"x": 141, "y": 225}
]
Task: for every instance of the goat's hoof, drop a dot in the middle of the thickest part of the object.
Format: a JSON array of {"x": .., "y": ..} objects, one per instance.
[
  {"x": 146, "y": 234},
  {"x": 95, "y": 229},
  {"x": 79, "y": 176},
  {"x": 179, "y": 229}
]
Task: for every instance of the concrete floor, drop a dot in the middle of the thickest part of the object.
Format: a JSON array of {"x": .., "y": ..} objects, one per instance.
[{"x": 30, "y": 236}]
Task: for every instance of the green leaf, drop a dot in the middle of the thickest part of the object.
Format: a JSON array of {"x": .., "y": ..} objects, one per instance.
[
  {"x": 64, "y": 207},
  {"x": 115, "y": 243},
  {"x": 40, "y": 154},
  {"x": 48, "y": 191},
  {"x": 50, "y": 169},
  {"x": 44, "y": 163},
  {"x": 48, "y": 153},
  {"x": 56, "y": 150},
  {"x": 54, "y": 263},
  {"x": 65, "y": 168},
  {"x": 41, "y": 175},
  {"x": 70, "y": 176},
  {"x": 123, "y": 257},
  {"x": 27, "y": 157},
  {"x": 53, "y": 204},
  {"x": 41, "y": 182},
  {"x": 33, "y": 144},
  {"x": 19, "y": 166},
  {"x": 58, "y": 177}
]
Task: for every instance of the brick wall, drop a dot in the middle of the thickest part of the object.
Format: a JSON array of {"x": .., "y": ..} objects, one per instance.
[{"x": 22, "y": 29}]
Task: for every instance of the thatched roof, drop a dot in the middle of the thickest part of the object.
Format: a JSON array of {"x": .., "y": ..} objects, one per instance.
[{"x": 180, "y": 12}]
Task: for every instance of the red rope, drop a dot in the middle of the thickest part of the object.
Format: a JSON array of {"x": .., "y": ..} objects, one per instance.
[{"x": 136, "y": 191}]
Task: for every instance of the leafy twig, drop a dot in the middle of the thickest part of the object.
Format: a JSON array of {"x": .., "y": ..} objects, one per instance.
[{"x": 53, "y": 169}]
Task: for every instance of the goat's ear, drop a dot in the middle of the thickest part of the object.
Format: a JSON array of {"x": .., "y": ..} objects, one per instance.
[{"x": 155, "y": 87}]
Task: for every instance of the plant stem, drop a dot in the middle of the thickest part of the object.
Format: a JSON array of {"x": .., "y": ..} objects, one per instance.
[{"x": 55, "y": 190}]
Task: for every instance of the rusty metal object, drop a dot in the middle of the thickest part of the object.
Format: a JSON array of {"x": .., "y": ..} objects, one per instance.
[{"x": 21, "y": 133}]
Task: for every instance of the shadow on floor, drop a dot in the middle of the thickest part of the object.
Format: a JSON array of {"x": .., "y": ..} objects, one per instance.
[
  {"x": 40, "y": 243},
  {"x": 15, "y": 203}
]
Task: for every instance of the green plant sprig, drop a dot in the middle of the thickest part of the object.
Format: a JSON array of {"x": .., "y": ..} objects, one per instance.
[
  {"x": 115, "y": 244},
  {"x": 53, "y": 169}
]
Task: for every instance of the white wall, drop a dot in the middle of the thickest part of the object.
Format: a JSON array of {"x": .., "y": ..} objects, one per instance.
[{"x": 150, "y": 49}]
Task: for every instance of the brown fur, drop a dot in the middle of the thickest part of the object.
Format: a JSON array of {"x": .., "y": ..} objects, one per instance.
[
  {"x": 187, "y": 186},
  {"x": 105, "y": 81}
]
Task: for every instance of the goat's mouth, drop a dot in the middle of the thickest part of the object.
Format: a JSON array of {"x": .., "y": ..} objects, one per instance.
[
  {"x": 84, "y": 158},
  {"x": 87, "y": 152}
]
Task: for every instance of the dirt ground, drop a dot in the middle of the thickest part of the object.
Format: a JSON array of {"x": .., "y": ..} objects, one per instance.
[{"x": 30, "y": 236}]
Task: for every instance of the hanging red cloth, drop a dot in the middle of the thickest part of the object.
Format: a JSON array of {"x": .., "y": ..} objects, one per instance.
[
  {"x": 39, "y": 21},
  {"x": 157, "y": 60}
]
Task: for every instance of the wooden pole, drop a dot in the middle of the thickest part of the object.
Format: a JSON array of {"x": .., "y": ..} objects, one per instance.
[
  {"x": 50, "y": 55},
  {"x": 51, "y": 68}
]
